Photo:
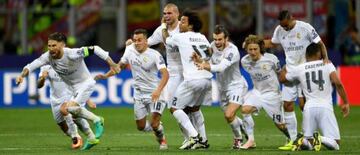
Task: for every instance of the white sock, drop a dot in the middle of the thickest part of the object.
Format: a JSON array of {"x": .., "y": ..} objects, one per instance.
[
  {"x": 199, "y": 123},
  {"x": 148, "y": 127},
  {"x": 184, "y": 120},
  {"x": 235, "y": 126},
  {"x": 249, "y": 125},
  {"x": 71, "y": 125},
  {"x": 85, "y": 128},
  {"x": 84, "y": 113},
  {"x": 329, "y": 143},
  {"x": 184, "y": 133},
  {"x": 291, "y": 124},
  {"x": 307, "y": 144}
]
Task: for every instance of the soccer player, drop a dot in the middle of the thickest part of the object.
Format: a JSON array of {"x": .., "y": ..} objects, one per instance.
[
  {"x": 145, "y": 64},
  {"x": 225, "y": 62},
  {"x": 194, "y": 90},
  {"x": 294, "y": 36},
  {"x": 169, "y": 27},
  {"x": 263, "y": 69},
  {"x": 59, "y": 93},
  {"x": 69, "y": 64},
  {"x": 316, "y": 79}
]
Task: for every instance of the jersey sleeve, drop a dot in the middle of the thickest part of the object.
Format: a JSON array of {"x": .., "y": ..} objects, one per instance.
[
  {"x": 275, "y": 37},
  {"x": 87, "y": 51},
  {"x": 312, "y": 34},
  {"x": 330, "y": 67},
  {"x": 276, "y": 62},
  {"x": 230, "y": 58},
  {"x": 156, "y": 37},
  {"x": 125, "y": 58},
  {"x": 292, "y": 75},
  {"x": 41, "y": 61},
  {"x": 159, "y": 60}
]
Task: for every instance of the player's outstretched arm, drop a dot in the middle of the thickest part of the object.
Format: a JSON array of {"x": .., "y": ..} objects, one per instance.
[
  {"x": 341, "y": 91},
  {"x": 110, "y": 72},
  {"x": 42, "y": 78},
  {"x": 20, "y": 78},
  {"x": 164, "y": 79},
  {"x": 269, "y": 44}
]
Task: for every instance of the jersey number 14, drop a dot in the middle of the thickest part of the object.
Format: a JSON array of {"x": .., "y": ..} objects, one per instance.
[{"x": 317, "y": 79}]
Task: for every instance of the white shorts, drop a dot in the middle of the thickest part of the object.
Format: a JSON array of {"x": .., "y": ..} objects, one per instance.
[
  {"x": 83, "y": 92},
  {"x": 291, "y": 93},
  {"x": 192, "y": 93},
  {"x": 271, "y": 102},
  {"x": 171, "y": 86},
  {"x": 142, "y": 107},
  {"x": 55, "y": 108},
  {"x": 320, "y": 118},
  {"x": 235, "y": 95}
]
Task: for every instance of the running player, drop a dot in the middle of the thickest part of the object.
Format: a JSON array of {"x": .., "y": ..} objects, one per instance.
[
  {"x": 225, "y": 63},
  {"x": 69, "y": 64},
  {"x": 145, "y": 64},
  {"x": 263, "y": 69}
]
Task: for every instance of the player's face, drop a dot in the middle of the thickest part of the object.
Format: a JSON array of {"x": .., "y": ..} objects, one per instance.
[
  {"x": 170, "y": 15},
  {"x": 140, "y": 42},
  {"x": 220, "y": 41},
  {"x": 184, "y": 24},
  {"x": 285, "y": 24},
  {"x": 55, "y": 48},
  {"x": 254, "y": 51}
]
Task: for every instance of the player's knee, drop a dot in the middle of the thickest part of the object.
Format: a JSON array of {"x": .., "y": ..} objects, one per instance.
[
  {"x": 63, "y": 109},
  {"x": 155, "y": 124},
  {"x": 229, "y": 116},
  {"x": 246, "y": 109}
]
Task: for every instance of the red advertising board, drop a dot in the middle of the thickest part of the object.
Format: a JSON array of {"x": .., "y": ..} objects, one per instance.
[{"x": 350, "y": 77}]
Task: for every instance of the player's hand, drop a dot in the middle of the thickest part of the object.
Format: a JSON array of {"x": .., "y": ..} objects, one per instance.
[
  {"x": 345, "y": 108},
  {"x": 155, "y": 96},
  {"x": 200, "y": 65},
  {"x": 196, "y": 58},
  {"x": 100, "y": 77},
  {"x": 128, "y": 42},
  {"x": 19, "y": 80},
  {"x": 91, "y": 104},
  {"x": 115, "y": 68}
]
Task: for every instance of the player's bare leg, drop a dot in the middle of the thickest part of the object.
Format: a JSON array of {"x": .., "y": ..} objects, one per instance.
[
  {"x": 72, "y": 128},
  {"x": 235, "y": 123},
  {"x": 249, "y": 124},
  {"x": 158, "y": 130}
]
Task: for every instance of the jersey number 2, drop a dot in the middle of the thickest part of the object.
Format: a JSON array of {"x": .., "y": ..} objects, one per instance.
[{"x": 317, "y": 79}]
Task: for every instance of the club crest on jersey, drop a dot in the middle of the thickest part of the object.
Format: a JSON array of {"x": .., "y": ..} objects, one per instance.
[
  {"x": 145, "y": 59},
  {"x": 298, "y": 35}
]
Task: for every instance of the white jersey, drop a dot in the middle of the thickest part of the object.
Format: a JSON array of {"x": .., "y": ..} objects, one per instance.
[
  {"x": 295, "y": 41},
  {"x": 144, "y": 67},
  {"x": 314, "y": 78},
  {"x": 59, "y": 91},
  {"x": 71, "y": 66},
  {"x": 187, "y": 43},
  {"x": 172, "y": 58},
  {"x": 263, "y": 72},
  {"x": 226, "y": 65}
]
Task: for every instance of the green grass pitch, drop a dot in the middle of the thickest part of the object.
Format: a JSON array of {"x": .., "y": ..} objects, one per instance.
[{"x": 33, "y": 131}]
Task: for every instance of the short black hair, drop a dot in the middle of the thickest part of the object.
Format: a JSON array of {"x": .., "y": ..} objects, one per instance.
[
  {"x": 312, "y": 50},
  {"x": 57, "y": 36},
  {"x": 221, "y": 29},
  {"x": 284, "y": 14},
  {"x": 194, "y": 20},
  {"x": 141, "y": 31}
]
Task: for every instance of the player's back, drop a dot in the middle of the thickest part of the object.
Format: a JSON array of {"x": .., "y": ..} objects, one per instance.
[
  {"x": 314, "y": 77},
  {"x": 187, "y": 43}
]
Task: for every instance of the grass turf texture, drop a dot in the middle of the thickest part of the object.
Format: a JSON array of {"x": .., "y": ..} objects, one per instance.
[{"x": 33, "y": 131}]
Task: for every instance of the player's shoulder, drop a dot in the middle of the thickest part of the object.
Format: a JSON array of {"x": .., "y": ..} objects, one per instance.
[
  {"x": 152, "y": 51},
  {"x": 270, "y": 56},
  {"x": 246, "y": 59},
  {"x": 303, "y": 25}
]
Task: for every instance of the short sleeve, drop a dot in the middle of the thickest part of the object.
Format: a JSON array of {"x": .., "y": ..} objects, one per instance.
[
  {"x": 275, "y": 37},
  {"x": 156, "y": 37},
  {"x": 312, "y": 34},
  {"x": 330, "y": 67},
  {"x": 125, "y": 58},
  {"x": 159, "y": 60}
]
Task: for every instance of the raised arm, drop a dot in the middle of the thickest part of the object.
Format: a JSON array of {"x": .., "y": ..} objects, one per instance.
[
  {"x": 269, "y": 44},
  {"x": 341, "y": 91},
  {"x": 324, "y": 52}
]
